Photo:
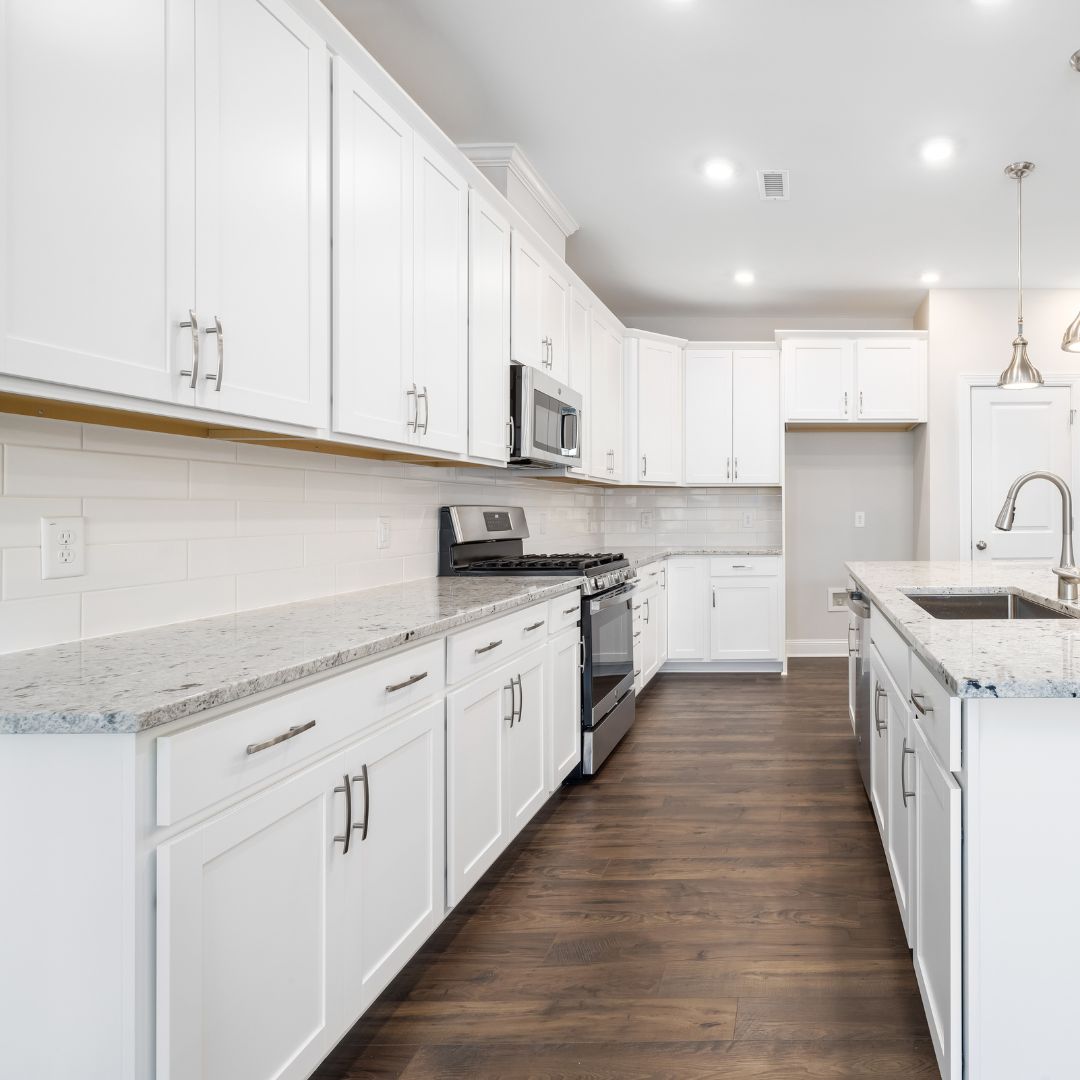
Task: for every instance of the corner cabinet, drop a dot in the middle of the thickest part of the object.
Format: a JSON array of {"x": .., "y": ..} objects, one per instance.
[{"x": 878, "y": 380}]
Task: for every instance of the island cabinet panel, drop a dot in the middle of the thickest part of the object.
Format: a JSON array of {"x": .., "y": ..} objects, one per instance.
[
  {"x": 900, "y": 806},
  {"x": 564, "y": 705},
  {"x": 879, "y": 741}
]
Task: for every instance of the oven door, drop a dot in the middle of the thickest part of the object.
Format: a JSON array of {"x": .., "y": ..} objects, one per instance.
[
  {"x": 546, "y": 417},
  {"x": 608, "y": 629}
]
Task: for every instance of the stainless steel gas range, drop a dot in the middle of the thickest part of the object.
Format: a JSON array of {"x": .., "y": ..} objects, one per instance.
[{"x": 490, "y": 540}]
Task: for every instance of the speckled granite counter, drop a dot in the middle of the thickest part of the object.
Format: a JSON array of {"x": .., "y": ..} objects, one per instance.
[
  {"x": 642, "y": 556},
  {"x": 986, "y": 657},
  {"x": 131, "y": 682}
]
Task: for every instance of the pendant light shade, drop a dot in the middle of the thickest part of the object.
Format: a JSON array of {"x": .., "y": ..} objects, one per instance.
[
  {"x": 1071, "y": 341},
  {"x": 1021, "y": 374}
]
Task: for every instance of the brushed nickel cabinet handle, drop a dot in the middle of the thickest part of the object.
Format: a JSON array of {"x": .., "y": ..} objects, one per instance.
[
  {"x": 728, "y": 468},
  {"x": 637, "y": 673},
  {"x": 918, "y": 700},
  {"x": 488, "y": 647},
  {"x": 423, "y": 396},
  {"x": 714, "y": 597},
  {"x": 534, "y": 626},
  {"x": 412, "y": 680},
  {"x": 644, "y": 466},
  {"x": 285, "y": 736},
  {"x": 513, "y": 701},
  {"x": 363, "y": 779},
  {"x": 192, "y": 372},
  {"x": 860, "y": 403},
  {"x": 520, "y": 700},
  {"x": 220, "y": 334},
  {"x": 412, "y": 424},
  {"x": 879, "y": 693},
  {"x": 741, "y": 566},
  {"x": 646, "y": 610},
  {"x": 572, "y": 611},
  {"x": 845, "y": 403},
  {"x": 736, "y": 468},
  {"x": 346, "y": 840},
  {"x": 637, "y": 633},
  {"x": 903, "y": 784}
]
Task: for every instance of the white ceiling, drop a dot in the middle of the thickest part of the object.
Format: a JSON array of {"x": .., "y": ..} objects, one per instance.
[{"x": 619, "y": 102}]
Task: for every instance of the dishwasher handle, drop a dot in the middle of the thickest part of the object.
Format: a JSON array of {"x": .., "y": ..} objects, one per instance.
[{"x": 858, "y": 603}]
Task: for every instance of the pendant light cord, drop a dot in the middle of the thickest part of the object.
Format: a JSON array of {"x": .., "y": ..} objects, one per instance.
[{"x": 1020, "y": 255}]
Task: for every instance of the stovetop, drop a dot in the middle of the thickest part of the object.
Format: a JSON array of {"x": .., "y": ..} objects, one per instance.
[{"x": 546, "y": 564}]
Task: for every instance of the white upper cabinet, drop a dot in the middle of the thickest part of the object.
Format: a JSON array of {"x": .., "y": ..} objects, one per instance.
[
  {"x": 606, "y": 401},
  {"x": 851, "y": 380},
  {"x": 262, "y": 105},
  {"x": 489, "y": 331},
  {"x": 818, "y": 379},
  {"x": 732, "y": 409},
  {"x": 578, "y": 374},
  {"x": 554, "y": 323},
  {"x": 659, "y": 412},
  {"x": 541, "y": 311},
  {"x": 373, "y": 224},
  {"x": 440, "y": 302},
  {"x": 97, "y": 191},
  {"x": 890, "y": 379}
]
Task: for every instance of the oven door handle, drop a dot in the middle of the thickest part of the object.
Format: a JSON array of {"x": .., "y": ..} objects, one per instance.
[{"x": 620, "y": 597}]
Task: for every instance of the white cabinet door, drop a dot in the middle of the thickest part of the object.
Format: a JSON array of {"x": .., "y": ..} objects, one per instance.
[
  {"x": 879, "y": 743},
  {"x": 756, "y": 426},
  {"x": 526, "y": 775},
  {"x": 605, "y": 401},
  {"x": 659, "y": 412},
  {"x": 246, "y": 906},
  {"x": 650, "y": 634},
  {"x": 900, "y": 812},
  {"x": 818, "y": 379},
  {"x": 564, "y": 705},
  {"x": 262, "y": 121},
  {"x": 395, "y": 868},
  {"x": 708, "y": 415},
  {"x": 890, "y": 379},
  {"x": 527, "y": 292},
  {"x": 477, "y": 726},
  {"x": 441, "y": 302},
  {"x": 578, "y": 374},
  {"x": 745, "y": 619},
  {"x": 489, "y": 331},
  {"x": 97, "y": 147},
  {"x": 373, "y": 223},
  {"x": 688, "y": 612},
  {"x": 555, "y": 317},
  {"x": 662, "y": 616},
  {"x": 937, "y": 952}
]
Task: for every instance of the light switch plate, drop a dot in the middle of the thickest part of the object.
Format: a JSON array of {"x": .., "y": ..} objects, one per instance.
[
  {"x": 63, "y": 547},
  {"x": 646, "y": 519},
  {"x": 748, "y": 519},
  {"x": 382, "y": 532}
]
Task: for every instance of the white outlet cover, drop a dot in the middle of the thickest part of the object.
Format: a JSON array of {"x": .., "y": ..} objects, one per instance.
[
  {"x": 836, "y": 598},
  {"x": 63, "y": 547},
  {"x": 860, "y": 519},
  {"x": 382, "y": 533},
  {"x": 748, "y": 519},
  {"x": 646, "y": 519}
]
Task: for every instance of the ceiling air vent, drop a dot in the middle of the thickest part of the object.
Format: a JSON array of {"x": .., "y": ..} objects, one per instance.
[{"x": 773, "y": 184}]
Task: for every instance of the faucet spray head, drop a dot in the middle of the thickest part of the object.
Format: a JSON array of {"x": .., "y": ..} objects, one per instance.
[{"x": 1005, "y": 517}]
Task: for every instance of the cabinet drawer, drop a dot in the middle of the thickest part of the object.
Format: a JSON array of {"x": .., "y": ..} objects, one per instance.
[
  {"x": 480, "y": 648},
  {"x": 892, "y": 647},
  {"x": 652, "y": 574},
  {"x": 215, "y": 760},
  {"x": 744, "y": 566},
  {"x": 937, "y": 713},
  {"x": 564, "y": 611}
]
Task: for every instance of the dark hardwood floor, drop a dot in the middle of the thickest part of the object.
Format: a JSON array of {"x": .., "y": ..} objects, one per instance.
[{"x": 714, "y": 904}]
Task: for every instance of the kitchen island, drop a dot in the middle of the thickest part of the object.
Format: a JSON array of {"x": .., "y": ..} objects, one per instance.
[{"x": 975, "y": 735}]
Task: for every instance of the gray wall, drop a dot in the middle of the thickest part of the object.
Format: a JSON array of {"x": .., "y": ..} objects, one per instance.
[
  {"x": 830, "y": 476},
  {"x": 754, "y": 327}
]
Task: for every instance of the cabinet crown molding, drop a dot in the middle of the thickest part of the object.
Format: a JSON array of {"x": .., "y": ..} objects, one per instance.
[
  {"x": 916, "y": 335},
  {"x": 509, "y": 156}
]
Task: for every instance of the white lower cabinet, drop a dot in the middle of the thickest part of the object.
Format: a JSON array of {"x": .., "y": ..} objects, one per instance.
[
  {"x": 745, "y": 621},
  {"x": 938, "y": 947},
  {"x": 900, "y": 806},
  {"x": 526, "y": 774},
  {"x": 688, "y": 611},
  {"x": 879, "y": 742},
  {"x": 650, "y": 633},
  {"x": 564, "y": 705}
]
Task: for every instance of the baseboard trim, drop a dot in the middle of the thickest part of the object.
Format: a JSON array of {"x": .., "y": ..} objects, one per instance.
[
  {"x": 817, "y": 647},
  {"x": 691, "y": 666}
]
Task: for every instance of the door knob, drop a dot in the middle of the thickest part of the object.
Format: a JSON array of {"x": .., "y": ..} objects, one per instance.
[{"x": 980, "y": 545}]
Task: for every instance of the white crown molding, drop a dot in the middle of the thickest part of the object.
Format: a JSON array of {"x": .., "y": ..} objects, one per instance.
[{"x": 509, "y": 156}]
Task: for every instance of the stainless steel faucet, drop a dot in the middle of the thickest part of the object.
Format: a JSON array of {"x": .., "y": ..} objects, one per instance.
[{"x": 1068, "y": 573}]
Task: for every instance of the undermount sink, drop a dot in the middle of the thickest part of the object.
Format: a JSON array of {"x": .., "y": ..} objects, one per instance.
[{"x": 982, "y": 605}]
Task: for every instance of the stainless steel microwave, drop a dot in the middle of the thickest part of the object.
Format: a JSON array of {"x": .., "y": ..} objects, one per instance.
[{"x": 546, "y": 419}]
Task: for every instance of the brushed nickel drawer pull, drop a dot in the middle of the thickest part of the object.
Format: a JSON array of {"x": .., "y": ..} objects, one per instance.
[
  {"x": 363, "y": 779},
  {"x": 637, "y": 633},
  {"x": 299, "y": 729},
  {"x": 535, "y": 626},
  {"x": 192, "y": 324},
  {"x": 879, "y": 693},
  {"x": 572, "y": 611},
  {"x": 488, "y": 647},
  {"x": 346, "y": 840},
  {"x": 219, "y": 377},
  {"x": 918, "y": 700},
  {"x": 412, "y": 680},
  {"x": 903, "y": 785}
]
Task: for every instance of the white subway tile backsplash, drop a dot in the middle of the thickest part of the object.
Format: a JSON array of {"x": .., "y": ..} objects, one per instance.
[
  {"x": 280, "y": 457},
  {"x": 243, "y": 555},
  {"x": 339, "y": 487},
  {"x": 280, "y": 518},
  {"x": 213, "y": 480},
  {"x": 20, "y": 518},
  {"x": 368, "y": 574},
  {"x": 37, "y": 431},
  {"x": 32, "y": 470},
  {"x": 156, "y": 444},
  {"x": 45, "y": 620},
  {"x": 270, "y": 587},
  {"x": 114, "y": 611},
  {"x": 112, "y": 521}
]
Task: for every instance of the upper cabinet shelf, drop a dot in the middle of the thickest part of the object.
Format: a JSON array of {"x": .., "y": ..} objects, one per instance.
[{"x": 850, "y": 381}]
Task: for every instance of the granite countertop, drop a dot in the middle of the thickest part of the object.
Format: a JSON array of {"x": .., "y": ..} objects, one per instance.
[
  {"x": 1037, "y": 658},
  {"x": 139, "y": 680},
  {"x": 642, "y": 556}
]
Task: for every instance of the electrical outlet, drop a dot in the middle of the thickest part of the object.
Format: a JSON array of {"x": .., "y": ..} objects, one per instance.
[
  {"x": 63, "y": 547},
  {"x": 860, "y": 519},
  {"x": 748, "y": 519},
  {"x": 382, "y": 532},
  {"x": 646, "y": 519}
]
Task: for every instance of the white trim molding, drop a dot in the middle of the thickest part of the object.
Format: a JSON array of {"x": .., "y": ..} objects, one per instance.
[
  {"x": 509, "y": 156},
  {"x": 817, "y": 647}
]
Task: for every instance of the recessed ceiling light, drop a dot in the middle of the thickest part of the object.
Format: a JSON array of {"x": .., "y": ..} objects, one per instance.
[
  {"x": 937, "y": 151},
  {"x": 931, "y": 277},
  {"x": 744, "y": 277},
  {"x": 719, "y": 170}
]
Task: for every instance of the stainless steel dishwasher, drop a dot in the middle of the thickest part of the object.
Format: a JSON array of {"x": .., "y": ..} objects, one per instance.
[{"x": 859, "y": 679}]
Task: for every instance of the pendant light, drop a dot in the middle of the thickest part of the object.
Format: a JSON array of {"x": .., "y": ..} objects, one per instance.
[
  {"x": 1071, "y": 341},
  {"x": 1021, "y": 374}
]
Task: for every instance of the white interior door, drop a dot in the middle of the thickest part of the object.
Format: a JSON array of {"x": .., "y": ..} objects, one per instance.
[
  {"x": 755, "y": 424},
  {"x": 262, "y": 120},
  {"x": 707, "y": 415},
  {"x": 97, "y": 151},
  {"x": 373, "y": 222},
  {"x": 1014, "y": 432}
]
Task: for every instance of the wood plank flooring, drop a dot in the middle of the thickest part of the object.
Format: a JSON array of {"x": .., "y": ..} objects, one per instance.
[{"x": 715, "y": 903}]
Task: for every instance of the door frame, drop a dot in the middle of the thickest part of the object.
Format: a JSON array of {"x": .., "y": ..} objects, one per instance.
[{"x": 967, "y": 384}]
